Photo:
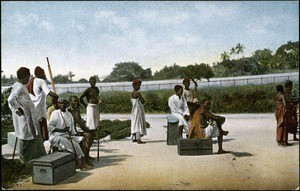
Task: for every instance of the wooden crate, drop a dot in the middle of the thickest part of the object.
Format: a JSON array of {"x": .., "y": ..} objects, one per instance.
[
  {"x": 194, "y": 146},
  {"x": 53, "y": 168}
]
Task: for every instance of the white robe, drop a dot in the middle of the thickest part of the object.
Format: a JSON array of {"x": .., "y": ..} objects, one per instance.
[
  {"x": 41, "y": 90},
  {"x": 138, "y": 122},
  {"x": 26, "y": 126},
  {"x": 60, "y": 139},
  {"x": 179, "y": 109}
]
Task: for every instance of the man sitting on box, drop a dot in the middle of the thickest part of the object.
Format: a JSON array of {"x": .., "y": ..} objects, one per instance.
[
  {"x": 62, "y": 131},
  {"x": 205, "y": 125}
]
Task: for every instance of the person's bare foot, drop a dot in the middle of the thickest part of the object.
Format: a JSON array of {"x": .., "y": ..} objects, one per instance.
[
  {"x": 140, "y": 142},
  {"x": 295, "y": 139},
  {"x": 287, "y": 144},
  {"x": 222, "y": 151},
  {"x": 225, "y": 133}
]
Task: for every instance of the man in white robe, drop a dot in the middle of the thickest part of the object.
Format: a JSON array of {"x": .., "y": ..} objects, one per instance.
[
  {"x": 24, "y": 119},
  {"x": 138, "y": 122},
  {"x": 62, "y": 133},
  {"x": 179, "y": 109},
  {"x": 39, "y": 90}
]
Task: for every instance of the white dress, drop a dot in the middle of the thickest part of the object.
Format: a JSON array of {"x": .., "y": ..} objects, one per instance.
[{"x": 138, "y": 122}]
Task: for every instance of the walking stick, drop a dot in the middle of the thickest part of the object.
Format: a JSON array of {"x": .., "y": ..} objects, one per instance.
[
  {"x": 50, "y": 74},
  {"x": 15, "y": 148},
  {"x": 98, "y": 142}
]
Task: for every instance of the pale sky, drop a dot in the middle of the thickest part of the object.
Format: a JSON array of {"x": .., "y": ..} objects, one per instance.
[{"x": 90, "y": 37}]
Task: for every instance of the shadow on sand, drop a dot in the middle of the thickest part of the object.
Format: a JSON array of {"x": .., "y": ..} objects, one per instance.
[
  {"x": 241, "y": 154},
  {"x": 110, "y": 160}
]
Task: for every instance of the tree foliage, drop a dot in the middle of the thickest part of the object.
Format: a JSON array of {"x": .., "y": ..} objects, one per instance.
[
  {"x": 171, "y": 72},
  {"x": 198, "y": 71},
  {"x": 128, "y": 71},
  {"x": 62, "y": 79}
]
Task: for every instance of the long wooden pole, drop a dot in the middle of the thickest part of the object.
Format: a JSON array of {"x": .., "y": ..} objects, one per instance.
[{"x": 50, "y": 74}]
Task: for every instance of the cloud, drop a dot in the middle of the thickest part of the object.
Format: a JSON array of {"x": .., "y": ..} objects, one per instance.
[
  {"x": 108, "y": 18},
  {"x": 166, "y": 17},
  {"x": 207, "y": 11}
]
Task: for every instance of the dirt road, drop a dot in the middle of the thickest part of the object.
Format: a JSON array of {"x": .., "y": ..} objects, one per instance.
[{"x": 254, "y": 162}]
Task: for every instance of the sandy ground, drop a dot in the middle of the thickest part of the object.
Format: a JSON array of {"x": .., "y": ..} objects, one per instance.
[{"x": 254, "y": 162}]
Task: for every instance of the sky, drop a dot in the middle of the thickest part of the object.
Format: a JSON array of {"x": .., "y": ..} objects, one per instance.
[{"x": 90, "y": 37}]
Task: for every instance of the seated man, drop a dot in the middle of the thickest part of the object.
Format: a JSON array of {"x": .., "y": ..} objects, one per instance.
[
  {"x": 205, "y": 125},
  {"x": 179, "y": 109},
  {"x": 89, "y": 135},
  {"x": 61, "y": 127}
]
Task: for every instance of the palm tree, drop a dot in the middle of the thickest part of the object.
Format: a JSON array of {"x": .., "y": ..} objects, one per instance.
[
  {"x": 71, "y": 75},
  {"x": 225, "y": 56},
  {"x": 239, "y": 49},
  {"x": 232, "y": 51}
]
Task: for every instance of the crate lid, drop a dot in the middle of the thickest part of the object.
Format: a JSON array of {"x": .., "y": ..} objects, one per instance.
[{"x": 55, "y": 159}]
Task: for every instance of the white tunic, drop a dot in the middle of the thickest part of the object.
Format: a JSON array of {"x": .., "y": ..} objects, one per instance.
[
  {"x": 59, "y": 120},
  {"x": 25, "y": 126},
  {"x": 41, "y": 90},
  {"x": 138, "y": 122},
  {"x": 179, "y": 109}
]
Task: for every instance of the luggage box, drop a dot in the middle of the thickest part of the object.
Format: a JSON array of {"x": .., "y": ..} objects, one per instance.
[
  {"x": 172, "y": 130},
  {"x": 53, "y": 168},
  {"x": 194, "y": 146}
]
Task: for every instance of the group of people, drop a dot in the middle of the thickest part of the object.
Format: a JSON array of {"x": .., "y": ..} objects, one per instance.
[
  {"x": 286, "y": 104},
  {"x": 61, "y": 124},
  {"x": 195, "y": 118}
]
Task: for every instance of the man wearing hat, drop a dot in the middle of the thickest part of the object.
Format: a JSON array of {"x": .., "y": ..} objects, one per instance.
[
  {"x": 62, "y": 133},
  {"x": 179, "y": 109},
  {"x": 39, "y": 90},
  {"x": 25, "y": 119}
]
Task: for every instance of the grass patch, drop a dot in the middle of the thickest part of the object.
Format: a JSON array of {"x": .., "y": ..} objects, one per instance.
[{"x": 13, "y": 171}]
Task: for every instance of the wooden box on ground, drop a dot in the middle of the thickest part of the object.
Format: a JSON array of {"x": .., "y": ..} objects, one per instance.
[
  {"x": 172, "y": 130},
  {"x": 53, "y": 168},
  {"x": 194, "y": 146}
]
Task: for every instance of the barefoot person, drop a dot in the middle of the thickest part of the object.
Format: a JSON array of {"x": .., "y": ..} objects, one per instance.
[
  {"x": 62, "y": 133},
  {"x": 82, "y": 130},
  {"x": 138, "y": 122},
  {"x": 178, "y": 107},
  {"x": 280, "y": 114},
  {"x": 92, "y": 107},
  {"x": 201, "y": 128},
  {"x": 24, "y": 119},
  {"x": 291, "y": 116},
  {"x": 39, "y": 90}
]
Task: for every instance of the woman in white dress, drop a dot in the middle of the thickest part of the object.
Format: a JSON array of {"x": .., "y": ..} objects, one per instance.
[{"x": 138, "y": 122}]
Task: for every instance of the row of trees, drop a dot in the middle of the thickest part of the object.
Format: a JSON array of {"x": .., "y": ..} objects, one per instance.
[{"x": 263, "y": 61}]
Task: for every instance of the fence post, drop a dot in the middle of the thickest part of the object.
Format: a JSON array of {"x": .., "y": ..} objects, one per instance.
[{"x": 260, "y": 80}]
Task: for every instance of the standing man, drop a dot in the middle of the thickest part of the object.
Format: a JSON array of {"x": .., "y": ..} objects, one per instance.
[
  {"x": 25, "y": 122},
  {"x": 92, "y": 107},
  {"x": 292, "y": 117},
  {"x": 189, "y": 96},
  {"x": 89, "y": 135},
  {"x": 138, "y": 122},
  {"x": 280, "y": 114},
  {"x": 39, "y": 90},
  {"x": 179, "y": 109}
]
